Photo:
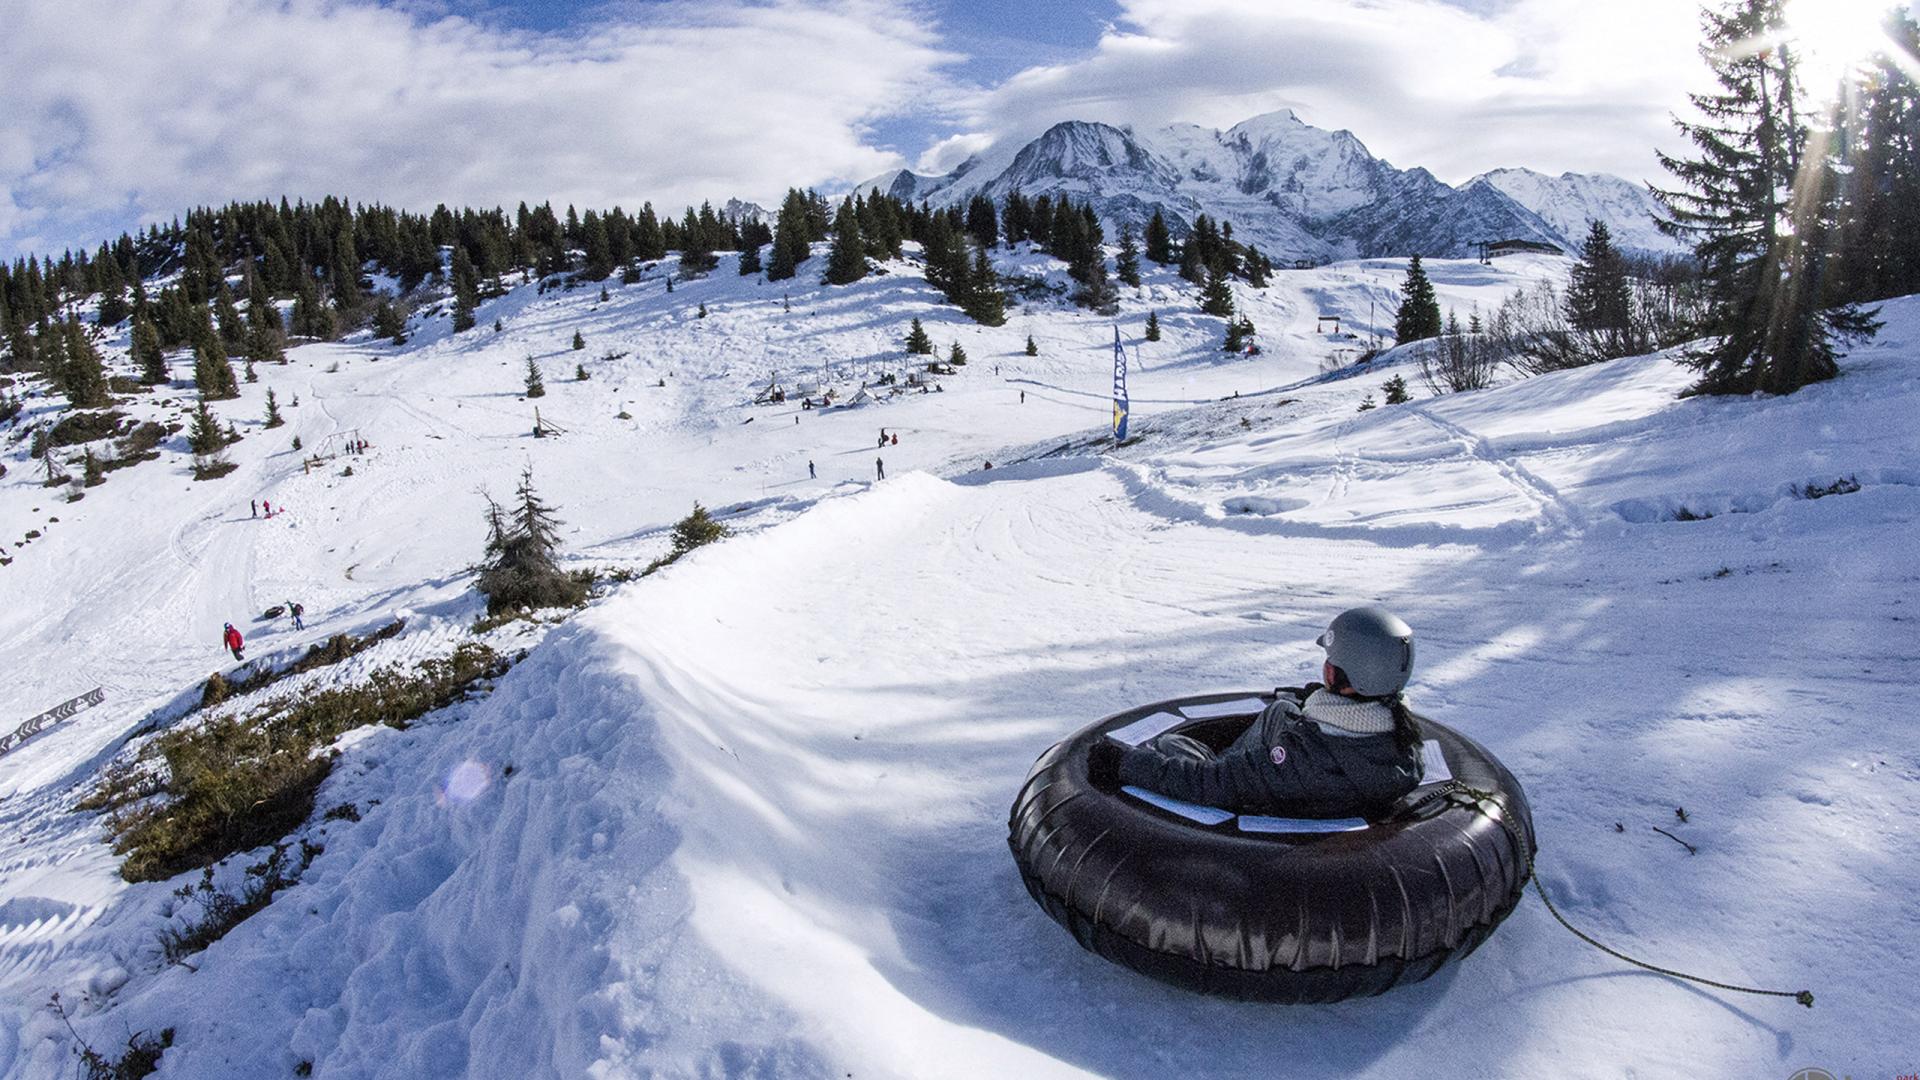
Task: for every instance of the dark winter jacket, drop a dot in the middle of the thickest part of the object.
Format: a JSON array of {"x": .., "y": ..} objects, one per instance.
[{"x": 1293, "y": 768}]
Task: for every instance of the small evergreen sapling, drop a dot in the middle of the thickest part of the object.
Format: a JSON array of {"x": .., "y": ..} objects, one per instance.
[
  {"x": 918, "y": 343},
  {"x": 273, "y": 410},
  {"x": 1032, "y": 349},
  {"x": 1366, "y": 403},
  {"x": 1396, "y": 391},
  {"x": 702, "y": 313},
  {"x": 579, "y": 341},
  {"x": 535, "y": 386},
  {"x": 1153, "y": 326},
  {"x": 956, "y": 356}
]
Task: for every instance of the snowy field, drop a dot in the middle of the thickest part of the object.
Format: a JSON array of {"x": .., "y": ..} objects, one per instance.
[{"x": 783, "y": 766}]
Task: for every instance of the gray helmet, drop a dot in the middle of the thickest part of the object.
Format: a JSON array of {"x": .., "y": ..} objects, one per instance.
[{"x": 1373, "y": 647}]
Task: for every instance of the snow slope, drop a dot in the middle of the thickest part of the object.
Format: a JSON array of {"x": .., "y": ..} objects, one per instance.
[{"x": 784, "y": 764}]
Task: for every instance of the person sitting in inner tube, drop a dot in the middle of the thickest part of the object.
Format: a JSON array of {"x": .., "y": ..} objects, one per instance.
[{"x": 1333, "y": 750}]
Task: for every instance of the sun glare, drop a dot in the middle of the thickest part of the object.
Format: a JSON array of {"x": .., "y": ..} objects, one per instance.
[{"x": 1834, "y": 37}]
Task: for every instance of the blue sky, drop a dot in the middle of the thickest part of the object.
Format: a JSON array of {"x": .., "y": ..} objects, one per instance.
[{"x": 124, "y": 112}]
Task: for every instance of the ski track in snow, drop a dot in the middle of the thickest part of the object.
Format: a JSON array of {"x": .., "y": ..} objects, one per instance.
[{"x": 783, "y": 765}]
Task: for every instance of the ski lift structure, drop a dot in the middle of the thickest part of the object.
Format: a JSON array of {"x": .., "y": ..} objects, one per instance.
[
  {"x": 542, "y": 428},
  {"x": 338, "y": 444}
]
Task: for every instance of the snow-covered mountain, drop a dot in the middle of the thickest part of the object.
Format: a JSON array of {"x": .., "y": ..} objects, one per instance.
[
  {"x": 1294, "y": 190},
  {"x": 1570, "y": 202}
]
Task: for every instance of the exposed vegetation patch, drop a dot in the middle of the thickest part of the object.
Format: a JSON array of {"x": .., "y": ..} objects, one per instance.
[
  {"x": 221, "y": 912},
  {"x": 335, "y": 649},
  {"x": 84, "y": 427},
  {"x": 233, "y": 784}
]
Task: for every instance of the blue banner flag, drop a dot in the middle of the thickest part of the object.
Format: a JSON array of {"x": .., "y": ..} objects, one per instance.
[{"x": 1119, "y": 389}]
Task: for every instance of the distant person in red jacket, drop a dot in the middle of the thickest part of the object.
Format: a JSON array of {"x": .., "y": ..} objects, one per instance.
[{"x": 235, "y": 643}]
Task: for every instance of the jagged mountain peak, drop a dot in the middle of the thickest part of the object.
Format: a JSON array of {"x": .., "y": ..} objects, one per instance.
[{"x": 1295, "y": 190}]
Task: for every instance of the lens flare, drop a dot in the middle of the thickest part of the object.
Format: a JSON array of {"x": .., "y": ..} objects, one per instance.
[
  {"x": 466, "y": 782},
  {"x": 1834, "y": 37}
]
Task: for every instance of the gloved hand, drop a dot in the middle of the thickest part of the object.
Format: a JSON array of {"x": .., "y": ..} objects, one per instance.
[{"x": 1103, "y": 764}]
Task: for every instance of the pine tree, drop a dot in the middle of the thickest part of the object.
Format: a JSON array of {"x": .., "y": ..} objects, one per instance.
[
  {"x": 702, "y": 313},
  {"x": 918, "y": 343},
  {"x": 1419, "y": 314},
  {"x": 535, "y": 387},
  {"x": 1396, "y": 391},
  {"x": 1366, "y": 404},
  {"x": 203, "y": 431},
  {"x": 520, "y": 569},
  {"x": 1752, "y": 203},
  {"x": 579, "y": 341},
  {"x": 274, "y": 419},
  {"x": 1032, "y": 349},
  {"x": 790, "y": 237},
  {"x": 466, "y": 290},
  {"x": 1217, "y": 298},
  {"x": 82, "y": 376},
  {"x": 1599, "y": 296},
  {"x": 212, "y": 373},
  {"x": 750, "y": 260},
  {"x": 1235, "y": 340},
  {"x": 847, "y": 261},
  {"x": 92, "y": 473},
  {"x": 1153, "y": 326},
  {"x": 580, "y": 373},
  {"x": 147, "y": 353},
  {"x": 264, "y": 345},
  {"x": 957, "y": 356},
  {"x": 984, "y": 301},
  {"x": 1159, "y": 240},
  {"x": 697, "y": 529},
  {"x": 389, "y": 323},
  {"x": 1127, "y": 266},
  {"x": 1259, "y": 269}
]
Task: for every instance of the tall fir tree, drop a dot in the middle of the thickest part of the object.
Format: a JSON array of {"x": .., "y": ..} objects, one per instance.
[
  {"x": 1752, "y": 202},
  {"x": 82, "y": 377},
  {"x": 536, "y": 386},
  {"x": 1217, "y": 297},
  {"x": 1419, "y": 316},
  {"x": 790, "y": 237},
  {"x": 212, "y": 372},
  {"x": 466, "y": 290},
  {"x": 1159, "y": 240},
  {"x": 1153, "y": 326},
  {"x": 147, "y": 354},
  {"x": 1126, "y": 266},
  {"x": 1599, "y": 296},
  {"x": 847, "y": 261}
]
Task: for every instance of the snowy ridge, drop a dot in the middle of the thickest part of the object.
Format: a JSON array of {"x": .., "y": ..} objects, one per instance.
[
  {"x": 1296, "y": 191},
  {"x": 783, "y": 764}
]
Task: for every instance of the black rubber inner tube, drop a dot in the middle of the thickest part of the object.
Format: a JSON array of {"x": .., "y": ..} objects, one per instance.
[{"x": 1286, "y": 916}]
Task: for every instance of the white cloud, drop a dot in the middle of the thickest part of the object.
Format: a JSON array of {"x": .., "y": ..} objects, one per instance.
[
  {"x": 1549, "y": 84},
  {"x": 141, "y": 109},
  {"x": 945, "y": 155}
]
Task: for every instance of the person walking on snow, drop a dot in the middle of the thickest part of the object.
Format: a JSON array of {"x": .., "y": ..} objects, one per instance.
[
  {"x": 811, "y": 475},
  {"x": 253, "y": 507},
  {"x": 883, "y": 437},
  {"x": 269, "y": 507},
  {"x": 235, "y": 643},
  {"x": 296, "y": 611},
  {"x": 1338, "y": 749},
  {"x": 879, "y": 469}
]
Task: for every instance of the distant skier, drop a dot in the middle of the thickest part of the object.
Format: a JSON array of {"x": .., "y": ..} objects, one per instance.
[
  {"x": 269, "y": 507},
  {"x": 235, "y": 643},
  {"x": 297, "y": 611},
  {"x": 253, "y": 507},
  {"x": 883, "y": 437},
  {"x": 895, "y": 441},
  {"x": 811, "y": 475},
  {"x": 1023, "y": 397},
  {"x": 879, "y": 469}
]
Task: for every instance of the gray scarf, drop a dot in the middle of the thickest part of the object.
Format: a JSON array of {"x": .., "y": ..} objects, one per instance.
[{"x": 1348, "y": 715}]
